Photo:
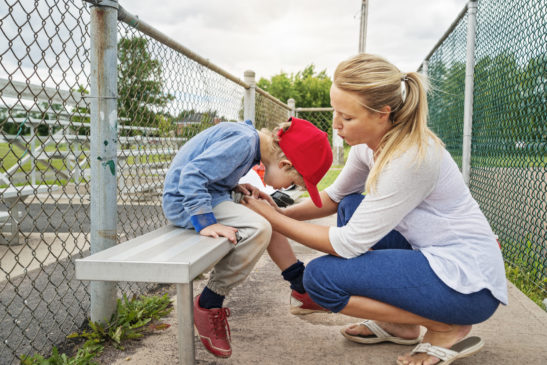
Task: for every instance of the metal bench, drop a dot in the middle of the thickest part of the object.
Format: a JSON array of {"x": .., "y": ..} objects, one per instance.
[
  {"x": 13, "y": 198},
  {"x": 167, "y": 255}
]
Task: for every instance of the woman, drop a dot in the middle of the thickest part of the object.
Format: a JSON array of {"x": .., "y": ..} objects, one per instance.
[{"x": 415, "y": 250}]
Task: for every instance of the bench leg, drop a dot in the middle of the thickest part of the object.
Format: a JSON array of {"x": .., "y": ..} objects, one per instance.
[{"x": 185, "y": 319}]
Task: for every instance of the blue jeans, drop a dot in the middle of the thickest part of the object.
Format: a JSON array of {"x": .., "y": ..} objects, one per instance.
[{"x": 392, "y": 273}]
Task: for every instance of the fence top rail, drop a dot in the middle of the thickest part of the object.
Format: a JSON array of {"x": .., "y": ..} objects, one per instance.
[
  {"x": 272, "y": 98},
  {"x": 449, "y": 30},
  {"x": 135, "y": 22}
]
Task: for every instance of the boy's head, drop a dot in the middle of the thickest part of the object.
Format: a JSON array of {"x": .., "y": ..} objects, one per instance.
[{"x": 308, "y": 149}]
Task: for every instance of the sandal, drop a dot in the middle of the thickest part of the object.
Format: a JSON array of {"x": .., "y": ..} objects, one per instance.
[
  {"x": 378, "y": 335},
  {"x": 466, "y": 347}
]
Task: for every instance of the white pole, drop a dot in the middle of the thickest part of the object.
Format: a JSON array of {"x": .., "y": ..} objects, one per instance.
[
  {"x": 250, "y": 95},
  {"x": 468, "y": 96},
  {"x": 292, "y": 104},
  {"x": 363, "y": 28}
]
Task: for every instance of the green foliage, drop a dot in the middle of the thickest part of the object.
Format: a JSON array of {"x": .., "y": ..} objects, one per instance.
[
  {"x": 526, "y": 268},
  {"x": 307, "y": 87},
  {"x": 140, "y": 83},
  {"x": 131, "y": 319},
  {"x": 83, "y": 357},
  {"x": 524, "y": 281}
]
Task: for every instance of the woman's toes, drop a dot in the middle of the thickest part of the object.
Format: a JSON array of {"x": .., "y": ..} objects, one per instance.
[{"x": 356, "y": 329}]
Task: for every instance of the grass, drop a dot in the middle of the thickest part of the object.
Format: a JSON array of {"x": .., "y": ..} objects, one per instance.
[{"x": 133, "y": 317}]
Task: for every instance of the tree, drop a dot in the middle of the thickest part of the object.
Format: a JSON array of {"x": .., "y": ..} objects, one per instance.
[
  {"x": 140, "y": 84},
  {"x": 306, "y": 87}
]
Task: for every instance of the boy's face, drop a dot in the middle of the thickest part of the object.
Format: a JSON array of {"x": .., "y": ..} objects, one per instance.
[{"x": 276, "y": 176}]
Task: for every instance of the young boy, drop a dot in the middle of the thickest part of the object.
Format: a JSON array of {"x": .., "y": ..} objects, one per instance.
[{"x": 197, "y": 195}]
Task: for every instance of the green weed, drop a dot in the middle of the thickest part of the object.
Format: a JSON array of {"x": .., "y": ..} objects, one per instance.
[{"x": 132, "y": 318}]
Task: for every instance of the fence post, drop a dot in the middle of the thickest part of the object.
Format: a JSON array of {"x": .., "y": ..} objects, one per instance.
[
  {"x": 337, "y": 148},
  {"x": 292, "y": 104},
  {"x": 104, "y": 137},
  {"x": 468, "y": 96},
  {"x": 249, "y": 99}
]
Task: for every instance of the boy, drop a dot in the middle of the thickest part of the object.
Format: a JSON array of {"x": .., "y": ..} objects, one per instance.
[{"x": 197, "y": 195}]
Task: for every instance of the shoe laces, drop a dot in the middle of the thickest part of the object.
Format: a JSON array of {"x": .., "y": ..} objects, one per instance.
[{"x": 219, "y": 320}]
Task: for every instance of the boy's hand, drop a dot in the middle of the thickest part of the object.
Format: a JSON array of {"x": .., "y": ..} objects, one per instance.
[
  {"x": 250, "y": 190},
  {"x": 220, "y": 230}
]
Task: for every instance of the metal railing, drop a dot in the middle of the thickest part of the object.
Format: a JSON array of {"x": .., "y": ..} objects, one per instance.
[{"x": 489, "y": 105}]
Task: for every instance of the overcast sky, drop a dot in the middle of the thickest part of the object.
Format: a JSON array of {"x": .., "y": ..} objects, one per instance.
[{"x": 270, "y": 36}]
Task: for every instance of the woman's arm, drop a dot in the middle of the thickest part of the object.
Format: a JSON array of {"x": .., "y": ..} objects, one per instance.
[
  {"x": 307, "y": 210},
  {"x": 311, "y": 235}
]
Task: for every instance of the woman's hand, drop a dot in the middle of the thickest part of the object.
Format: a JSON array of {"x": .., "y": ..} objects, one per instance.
[
  {"x": 251, "y": 190},
  {"x": 261, "y": 206},
  {"x": 220, "y": 230}
]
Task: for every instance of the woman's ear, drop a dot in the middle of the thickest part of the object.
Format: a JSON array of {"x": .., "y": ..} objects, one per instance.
[{"x": 384, "y": 115}]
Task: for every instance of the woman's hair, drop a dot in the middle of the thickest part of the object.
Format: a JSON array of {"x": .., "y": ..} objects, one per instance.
[
  {"x": 378, "y": 83},
  {"x": 276, "y": 149}
]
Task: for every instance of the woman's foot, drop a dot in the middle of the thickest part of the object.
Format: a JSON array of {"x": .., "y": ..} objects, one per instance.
[
  {"x": 445, "y": 339},
  {"x": 403, "y": 331}
]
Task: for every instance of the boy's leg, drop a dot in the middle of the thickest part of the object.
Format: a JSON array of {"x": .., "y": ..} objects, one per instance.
[{"x": 254, "y": 233}]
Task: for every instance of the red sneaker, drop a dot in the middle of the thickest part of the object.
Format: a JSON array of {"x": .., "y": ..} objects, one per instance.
[
  {"x": 303, "y": 304},
  {"x": 211, "y": 325}
]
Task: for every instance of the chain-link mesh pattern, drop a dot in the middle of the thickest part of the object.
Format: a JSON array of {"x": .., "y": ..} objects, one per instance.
[
  {"x": 268, "y": 112},
  {"x": 509, "y": 138},
  {"x": 165, "y": 98},
  {"x": 509, "y": 150},
  {"x": 446, "y": 72},
  {"x": 321, "y": 118},
  {"x": 44, "y": 190}
]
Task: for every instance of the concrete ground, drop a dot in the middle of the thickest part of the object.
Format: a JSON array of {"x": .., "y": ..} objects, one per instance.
[{"x": 263, "y": 330}]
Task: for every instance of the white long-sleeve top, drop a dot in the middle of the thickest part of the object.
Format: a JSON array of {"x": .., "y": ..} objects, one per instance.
[{"x": 430, "y": 205}]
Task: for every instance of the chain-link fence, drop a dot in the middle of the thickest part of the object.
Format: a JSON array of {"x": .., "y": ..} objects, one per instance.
[
  {"x": 165, "y": 95},
  {"x": 508, "y": 154}
]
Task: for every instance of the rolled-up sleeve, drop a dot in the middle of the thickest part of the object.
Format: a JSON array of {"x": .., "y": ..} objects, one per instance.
[{"x": 400, "y": 188}]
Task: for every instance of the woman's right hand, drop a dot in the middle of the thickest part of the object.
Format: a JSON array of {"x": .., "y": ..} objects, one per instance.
[{"x": 220, "y": 230}]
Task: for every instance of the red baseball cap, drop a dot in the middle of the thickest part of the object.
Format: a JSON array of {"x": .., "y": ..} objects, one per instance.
[{"x": 308, "y": 149}]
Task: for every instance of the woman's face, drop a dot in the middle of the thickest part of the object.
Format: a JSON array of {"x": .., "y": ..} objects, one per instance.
[{"x": 354, "y": 123}]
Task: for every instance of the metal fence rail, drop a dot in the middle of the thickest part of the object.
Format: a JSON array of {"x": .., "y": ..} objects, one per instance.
[{"x": 507, "y": 101}]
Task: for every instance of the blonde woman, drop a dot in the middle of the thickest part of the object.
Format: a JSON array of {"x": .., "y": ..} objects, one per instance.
[{"x": 416, "y": 250}]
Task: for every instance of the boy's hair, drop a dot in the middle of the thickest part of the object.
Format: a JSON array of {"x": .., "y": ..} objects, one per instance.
[{"x": 277, "y": 151}]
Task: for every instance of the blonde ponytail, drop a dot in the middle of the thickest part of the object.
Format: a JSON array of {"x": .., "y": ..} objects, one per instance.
[{"x": 378, "y": 83}]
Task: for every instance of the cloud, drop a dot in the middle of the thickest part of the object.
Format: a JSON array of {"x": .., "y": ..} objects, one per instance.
[{"x": 284, "y": 35}]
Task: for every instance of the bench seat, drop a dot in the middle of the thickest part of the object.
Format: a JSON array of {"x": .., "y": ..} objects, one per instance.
[{"x": 166, "y": 255}]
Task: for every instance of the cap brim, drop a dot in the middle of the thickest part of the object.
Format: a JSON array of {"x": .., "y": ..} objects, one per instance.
[{"x": 314, "y": 194}]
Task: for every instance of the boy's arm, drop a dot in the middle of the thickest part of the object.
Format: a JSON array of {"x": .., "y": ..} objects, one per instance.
[{"x": 214, "y": 164}]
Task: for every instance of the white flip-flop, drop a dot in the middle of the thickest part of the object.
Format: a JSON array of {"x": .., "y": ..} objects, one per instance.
[
  {"x": 378, "y": 335},
  {"x": 464, "y": 348}
]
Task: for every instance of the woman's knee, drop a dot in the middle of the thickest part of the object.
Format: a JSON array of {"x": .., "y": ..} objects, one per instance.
[
  {"x": 320, "y": 283},
  {"x": 347, "y": 207}
]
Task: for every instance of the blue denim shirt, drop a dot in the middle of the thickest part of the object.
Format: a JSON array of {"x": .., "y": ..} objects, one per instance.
[{"x": 205, "y": 170}]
